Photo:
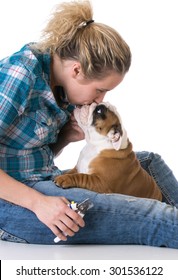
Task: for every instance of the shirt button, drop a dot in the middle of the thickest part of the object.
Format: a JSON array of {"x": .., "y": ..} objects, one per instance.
[{"x": 49, "y": 122}]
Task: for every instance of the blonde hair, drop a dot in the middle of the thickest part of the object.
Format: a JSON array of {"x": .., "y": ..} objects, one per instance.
[{"x": 72, "y": 34}]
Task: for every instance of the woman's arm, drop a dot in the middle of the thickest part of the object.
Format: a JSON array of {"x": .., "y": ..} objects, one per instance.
[{"x": 52, "y": 211}]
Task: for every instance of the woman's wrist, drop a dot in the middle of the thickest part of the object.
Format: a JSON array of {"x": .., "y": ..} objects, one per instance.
[
  {"x": 31, "y": 199},
  {"x": 58, "y": 147},
  {"x": 17, "y": 192}
]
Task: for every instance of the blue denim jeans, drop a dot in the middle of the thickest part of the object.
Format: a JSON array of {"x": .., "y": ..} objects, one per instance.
[{"x": 114, "y": 219}]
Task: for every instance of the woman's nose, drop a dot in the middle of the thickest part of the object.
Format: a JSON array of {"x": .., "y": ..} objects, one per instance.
[{"x": 100, "y": 98}]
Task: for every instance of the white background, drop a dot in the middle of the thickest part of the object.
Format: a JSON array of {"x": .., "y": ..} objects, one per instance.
[{"x": 147, "y": 98}]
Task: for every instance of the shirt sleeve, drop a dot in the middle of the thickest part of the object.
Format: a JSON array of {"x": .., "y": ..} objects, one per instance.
[{"x": 15, "y": 89}]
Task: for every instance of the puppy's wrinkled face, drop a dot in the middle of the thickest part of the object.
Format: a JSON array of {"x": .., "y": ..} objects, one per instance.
[{"x": 106, "y": 121}]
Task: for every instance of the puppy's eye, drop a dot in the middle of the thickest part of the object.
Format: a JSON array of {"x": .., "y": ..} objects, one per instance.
[
  {"x": 99, "y": 114},
  {"x": 101, "y": 110}
]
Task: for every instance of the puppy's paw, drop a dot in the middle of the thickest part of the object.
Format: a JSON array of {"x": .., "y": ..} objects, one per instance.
[{"x": 63, "y": 181}]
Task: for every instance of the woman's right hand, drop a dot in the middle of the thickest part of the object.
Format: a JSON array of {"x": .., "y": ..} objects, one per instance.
[
  {"x": 50, "y": 210},
  {"x": 56, "y": 215}
]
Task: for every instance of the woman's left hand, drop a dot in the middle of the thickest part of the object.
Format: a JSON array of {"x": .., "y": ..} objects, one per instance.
[{"x": 71, "y": 132}]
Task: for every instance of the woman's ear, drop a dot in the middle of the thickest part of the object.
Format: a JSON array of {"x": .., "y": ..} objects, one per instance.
[{"x": 77, "y": 71}]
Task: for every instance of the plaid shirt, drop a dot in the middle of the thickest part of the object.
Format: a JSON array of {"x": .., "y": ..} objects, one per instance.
[{"x": 30, "y": 118}]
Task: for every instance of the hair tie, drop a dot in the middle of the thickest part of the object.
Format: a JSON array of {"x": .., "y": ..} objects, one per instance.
[
  {"x": 85, "y": 23},
  {"x": 89, "y": 21}
]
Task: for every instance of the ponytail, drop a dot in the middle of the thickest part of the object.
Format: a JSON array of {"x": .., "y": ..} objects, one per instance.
[{"x": 72, "y": 34}]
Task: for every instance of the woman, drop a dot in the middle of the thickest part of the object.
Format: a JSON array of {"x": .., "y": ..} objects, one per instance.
[{"x": 77, "y": 62}]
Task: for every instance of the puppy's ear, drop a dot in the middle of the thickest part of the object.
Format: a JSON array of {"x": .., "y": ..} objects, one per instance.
[
  {"x": 118, "y": 138},
  {"x": 115, "y": 137},
  {"x": 116, "y": 141}
]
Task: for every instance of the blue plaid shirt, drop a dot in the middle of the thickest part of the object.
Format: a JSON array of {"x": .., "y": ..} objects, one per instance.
[{"x": 30, "y": 118}]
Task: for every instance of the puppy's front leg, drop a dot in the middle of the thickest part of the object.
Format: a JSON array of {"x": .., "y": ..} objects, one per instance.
[{"x": 80, "y": 180}]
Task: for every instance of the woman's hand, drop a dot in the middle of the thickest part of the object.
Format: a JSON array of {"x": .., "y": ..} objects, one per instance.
[
  {"x": 71, "y": 132},
  {"x": 50, "y": 210},
  {"x": 55, "y": 214}
]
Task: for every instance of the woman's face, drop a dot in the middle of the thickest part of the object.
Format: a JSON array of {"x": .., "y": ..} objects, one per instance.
[{"x": 82, "y": 91}]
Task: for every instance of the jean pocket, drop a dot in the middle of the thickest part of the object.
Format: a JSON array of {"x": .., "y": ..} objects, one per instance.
[{"x": 5, "y": 236}]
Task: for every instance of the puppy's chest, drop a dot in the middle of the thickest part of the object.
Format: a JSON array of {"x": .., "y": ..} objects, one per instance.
[{"x": 88, "y": 153}]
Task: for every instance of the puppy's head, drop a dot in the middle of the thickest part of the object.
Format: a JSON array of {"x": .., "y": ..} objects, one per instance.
[{"x": 105, "y": 120}]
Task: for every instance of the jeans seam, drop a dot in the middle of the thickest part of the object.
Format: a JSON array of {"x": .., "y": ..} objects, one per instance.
[
  {"x": 6, "y": 236},
  {"x": 171, "y": 202}
]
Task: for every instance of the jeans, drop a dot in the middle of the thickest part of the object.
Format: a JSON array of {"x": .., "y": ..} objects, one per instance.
[{"x": 114, "y": 219}]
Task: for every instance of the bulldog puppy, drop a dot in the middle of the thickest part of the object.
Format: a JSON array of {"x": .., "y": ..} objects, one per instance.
[{"x": 107, "y": 163}]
